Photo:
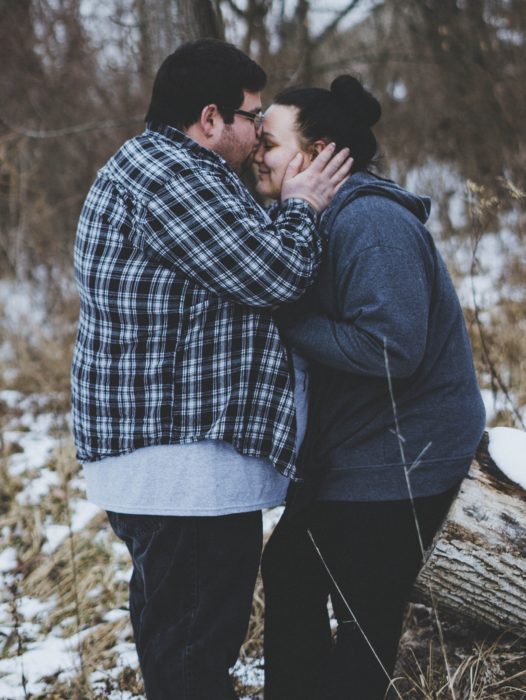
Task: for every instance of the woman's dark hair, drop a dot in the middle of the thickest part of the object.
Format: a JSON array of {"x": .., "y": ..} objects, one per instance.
[
  {"x": 199, "y": 73},
  {"x": 344, "y": 114}
]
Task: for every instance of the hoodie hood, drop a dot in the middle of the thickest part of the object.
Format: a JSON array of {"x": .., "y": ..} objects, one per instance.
[{"x": 363, "y": 184}]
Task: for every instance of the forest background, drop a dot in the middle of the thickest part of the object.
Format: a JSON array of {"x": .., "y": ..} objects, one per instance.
[{"x": 75, "y": 81}]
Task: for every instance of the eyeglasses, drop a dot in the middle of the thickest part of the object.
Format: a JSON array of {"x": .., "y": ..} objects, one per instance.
[{"x": 256, "y": 117}]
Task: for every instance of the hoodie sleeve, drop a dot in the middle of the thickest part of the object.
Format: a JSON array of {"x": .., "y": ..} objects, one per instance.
[{"x": 381, "y": 300}]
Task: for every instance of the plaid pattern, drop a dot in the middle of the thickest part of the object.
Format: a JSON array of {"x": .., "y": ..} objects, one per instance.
[{"x": 178, "y": 270}]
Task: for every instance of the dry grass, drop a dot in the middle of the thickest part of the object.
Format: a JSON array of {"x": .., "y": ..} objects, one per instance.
[
  {"x": 38, "y": 353},
  {"x": 80, "y": 582},
  {"x": 498, "y": 329},
  {"x": 486, "y": 665}
]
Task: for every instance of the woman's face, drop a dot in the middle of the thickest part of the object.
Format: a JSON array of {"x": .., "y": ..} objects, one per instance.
[{"x": 279, "y": 144}]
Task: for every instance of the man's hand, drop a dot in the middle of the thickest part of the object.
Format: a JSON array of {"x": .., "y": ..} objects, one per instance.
[{"x": 318, "y": 183}]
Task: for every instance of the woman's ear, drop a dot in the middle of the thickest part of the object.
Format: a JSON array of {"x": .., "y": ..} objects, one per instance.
[{"x": 316, "y": 148}]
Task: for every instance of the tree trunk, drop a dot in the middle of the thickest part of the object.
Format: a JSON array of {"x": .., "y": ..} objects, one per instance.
[
  {"x": 476, "y": 566},
  {"x": 197, "y": 19},
  {"x": 304, "y": 73}
]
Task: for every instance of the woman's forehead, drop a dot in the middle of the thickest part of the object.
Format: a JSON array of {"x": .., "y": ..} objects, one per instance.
[{"x": 279, "y": 120}]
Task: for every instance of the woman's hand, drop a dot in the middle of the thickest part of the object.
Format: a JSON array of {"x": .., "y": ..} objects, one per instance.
[{"x": 318, "y": 183}]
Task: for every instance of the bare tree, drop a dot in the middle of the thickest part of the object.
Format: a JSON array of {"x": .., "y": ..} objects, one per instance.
[
  {"x": 63, "y": 109},
  {"x": 198, "y": 18},
  {"x": 285, "y": 43},
  {"x": 450, "y": 76},
  {"x": 51, "y": 83},
  {"x": 471, "y": 59},
  {"x": 166, "y": 24}
]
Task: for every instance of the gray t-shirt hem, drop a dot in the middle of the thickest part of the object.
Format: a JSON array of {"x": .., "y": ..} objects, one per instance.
[{"x": 204, "y": 478}]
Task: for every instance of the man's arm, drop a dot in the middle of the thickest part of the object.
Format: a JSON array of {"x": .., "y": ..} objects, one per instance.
[
  {"x": 215, "y": 234},
  {"x": 206, "y": 225}
]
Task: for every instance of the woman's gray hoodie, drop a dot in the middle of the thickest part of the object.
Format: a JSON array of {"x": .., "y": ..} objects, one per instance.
[{"x": 383, "y": 311}]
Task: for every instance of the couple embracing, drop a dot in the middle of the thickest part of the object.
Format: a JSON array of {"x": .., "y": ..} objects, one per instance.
[{"x": 230, "y": 358}]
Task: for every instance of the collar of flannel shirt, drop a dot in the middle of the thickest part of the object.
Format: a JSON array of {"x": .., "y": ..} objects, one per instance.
[{"x": 179, "y": 137}]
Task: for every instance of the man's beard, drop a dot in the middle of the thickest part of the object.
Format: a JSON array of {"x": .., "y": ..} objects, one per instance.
[{"x": 233, "y": 151}]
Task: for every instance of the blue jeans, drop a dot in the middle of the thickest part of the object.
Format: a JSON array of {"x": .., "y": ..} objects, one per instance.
[{"x": 190, "y": 598}]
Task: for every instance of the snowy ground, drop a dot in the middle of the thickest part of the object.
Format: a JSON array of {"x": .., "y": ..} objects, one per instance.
[
  {"x": 30, "y": 435},
  {"x": 34, "y": 658},
  {"x": 38, "y": 655}
]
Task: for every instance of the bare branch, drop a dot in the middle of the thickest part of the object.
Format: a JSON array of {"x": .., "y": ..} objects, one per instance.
[
  {"x": 335, "y": 22},
  {"x": 125, "y": 25},
  {"x": 235, "y": 8},
  {"x": 70, "y": 130}
]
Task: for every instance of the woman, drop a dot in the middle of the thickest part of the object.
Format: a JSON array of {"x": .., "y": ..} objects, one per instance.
[{"x": 395, "y": 412}]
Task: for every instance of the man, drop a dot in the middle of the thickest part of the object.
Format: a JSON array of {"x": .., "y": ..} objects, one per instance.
[{"x": 183, "y": 403}]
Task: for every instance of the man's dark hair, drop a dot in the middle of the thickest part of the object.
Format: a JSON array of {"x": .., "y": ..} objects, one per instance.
[{"x": 199, "y": 73}]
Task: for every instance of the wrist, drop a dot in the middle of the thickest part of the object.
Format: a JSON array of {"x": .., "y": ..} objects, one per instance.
[{"x": 296, "y": 198}]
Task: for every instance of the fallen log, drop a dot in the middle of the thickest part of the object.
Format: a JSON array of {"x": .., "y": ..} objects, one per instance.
[{"x": 476, "y": 566}]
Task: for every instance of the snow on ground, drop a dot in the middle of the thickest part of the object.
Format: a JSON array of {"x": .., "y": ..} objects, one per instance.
[
  {"x": 250, "y": 673},
  {"x": 21, "y": 305},
  {"x": 32, "y": 435},
  {"x": 492, "y": 253},
  {"x": 487, "y": 285},
  {"x": 496, "y": 404},
  {"x": 7, "y": 560},
  {"x": 53, "y": 657}
]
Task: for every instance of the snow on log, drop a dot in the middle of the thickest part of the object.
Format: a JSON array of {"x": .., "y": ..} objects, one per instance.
[
  {"x": 507, "y": 449},
  {"x": 476, "y": 566}
]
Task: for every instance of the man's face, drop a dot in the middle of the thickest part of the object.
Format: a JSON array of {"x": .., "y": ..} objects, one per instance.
[{"x": 239, "y": 140}]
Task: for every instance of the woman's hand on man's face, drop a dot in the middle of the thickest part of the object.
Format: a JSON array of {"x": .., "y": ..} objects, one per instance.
[{"x": 318, "y": 183}]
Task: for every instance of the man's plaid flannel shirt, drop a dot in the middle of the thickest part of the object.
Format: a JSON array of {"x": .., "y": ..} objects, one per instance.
[{"x": 178, "y": 270}]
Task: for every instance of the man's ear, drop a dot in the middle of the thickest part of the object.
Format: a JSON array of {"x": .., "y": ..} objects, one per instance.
[{"x": 208, "y": 120}]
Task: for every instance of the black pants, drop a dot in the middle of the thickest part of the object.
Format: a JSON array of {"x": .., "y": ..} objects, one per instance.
[
  {"x": 373, "y": 552},
  {"x": 190, "y": 598}
]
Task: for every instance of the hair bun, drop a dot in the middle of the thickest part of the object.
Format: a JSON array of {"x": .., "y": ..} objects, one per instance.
[{"x": 363, "y": 109}]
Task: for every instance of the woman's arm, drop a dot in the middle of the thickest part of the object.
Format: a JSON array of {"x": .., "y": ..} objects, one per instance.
[{"x": 383, "y": 299}]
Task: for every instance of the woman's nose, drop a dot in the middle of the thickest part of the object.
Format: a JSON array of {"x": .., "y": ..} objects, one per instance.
[{"x": 258, "y": 154}]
